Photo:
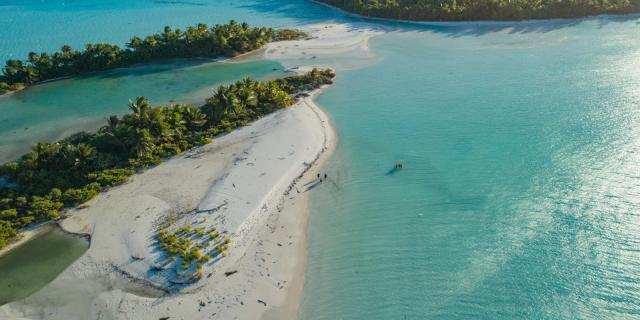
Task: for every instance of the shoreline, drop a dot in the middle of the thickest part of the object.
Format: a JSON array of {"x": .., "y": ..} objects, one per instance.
[
  {"x": 287, "y": 209},
  {"x": 290, "y": 308},
  {"x": 505, "y": 23},
  {"x": 272, "y": 258},
  {"x": 343, "y": 46},
  {"x": 328, "y": 39},
  {"x": 95, "y": 124},
  {"x": 206, "y": 60},
  {"x": 37, "y": 230},
  {"x": 25, "y": 236}
]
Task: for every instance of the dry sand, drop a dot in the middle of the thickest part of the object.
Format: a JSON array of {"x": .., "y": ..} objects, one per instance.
[
  {"x": 339, "y": 45},
  {"x": 269, "y": 162},
  {"x": 254, "y": 183}
]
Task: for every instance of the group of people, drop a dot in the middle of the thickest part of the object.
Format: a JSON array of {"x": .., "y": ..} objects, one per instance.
[{"x": 320, "y": 177}]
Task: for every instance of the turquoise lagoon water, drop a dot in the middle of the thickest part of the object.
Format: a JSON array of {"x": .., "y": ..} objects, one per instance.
[
  {"x": 38, "y": 25},
  {"x": 54, "y": 110},
  {"x": 521, "y": 189}
]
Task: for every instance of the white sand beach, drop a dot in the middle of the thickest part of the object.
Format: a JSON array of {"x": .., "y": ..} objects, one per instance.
[
  {"x": 342, "y": 46},
  {"x": 253, "y": 184},
  {"x": 258, "y": 172}
]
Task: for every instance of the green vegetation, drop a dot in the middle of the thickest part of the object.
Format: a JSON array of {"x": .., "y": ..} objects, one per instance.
[
  {"x": 452, "y": 10},
  {"x": 55, "y": 176},
  {"x": 192, "y": 246},
  {"x": 226, "y": 40}
]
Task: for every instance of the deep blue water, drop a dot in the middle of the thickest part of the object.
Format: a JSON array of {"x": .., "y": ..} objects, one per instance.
[{"x": 520, "y": 191}]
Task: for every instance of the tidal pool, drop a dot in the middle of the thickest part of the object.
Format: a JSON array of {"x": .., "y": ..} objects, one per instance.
[{"x": 34, "y": 264}]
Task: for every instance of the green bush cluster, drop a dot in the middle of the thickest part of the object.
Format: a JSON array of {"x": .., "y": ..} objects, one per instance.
[
  {"x": 191, "y": 245},
  {"x": 54, "y": 176},
  {"x": 452, "y": 10},
  {"x": 228, "y": 40}
]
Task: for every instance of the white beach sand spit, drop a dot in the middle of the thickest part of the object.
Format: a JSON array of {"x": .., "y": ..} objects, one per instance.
[
  {"x": 250, "y": 170},
  {"x": 255, "y": 178}
]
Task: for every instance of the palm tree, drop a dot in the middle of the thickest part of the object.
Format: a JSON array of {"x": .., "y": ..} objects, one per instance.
[
  {"x": 248, "y": 97},
  {"x": 135, "y": 43},
  {"x": 194, "y": 118},
  {"x": 250, "y": 83},
  {"x": 31, "y": 74},
  {"x": 44, "y": 66},
  {"x": 143, "y": 143},
  {"x": 14, "y": 71},
  {"x": 224, "y": 101},
  {"x": 150, "y": 43},
  {"x": 153, "y": 119},
  {"x": 139, "y": 108},
  {"x": 111, "y": 130},
  {"x": 33, "y": 57}
]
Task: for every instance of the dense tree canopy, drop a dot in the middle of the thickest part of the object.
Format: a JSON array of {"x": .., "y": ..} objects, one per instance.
[
  {"x": 54, "y": 176},
  {"x": 199, "y": 41},
  {"x": 437, "y": 10}
]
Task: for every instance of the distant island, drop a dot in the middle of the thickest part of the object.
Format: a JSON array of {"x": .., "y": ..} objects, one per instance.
[
  {"x": 467, "y": 10},
  {"x": 200, "y": 41},
  {"x": 64, "y": 174}
]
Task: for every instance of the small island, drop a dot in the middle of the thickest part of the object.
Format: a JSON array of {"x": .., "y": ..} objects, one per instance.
[
  {"x": 200, "y": 41},
  {"x": 453, "y": 10},
  {"x": 61, "y": 175}
]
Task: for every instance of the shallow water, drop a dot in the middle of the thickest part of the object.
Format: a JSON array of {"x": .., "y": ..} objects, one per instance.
[
  {"x": 51, "y": 111},
  {"x": 519, "y": 195},
  {"x": 36, "y": 263}
]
